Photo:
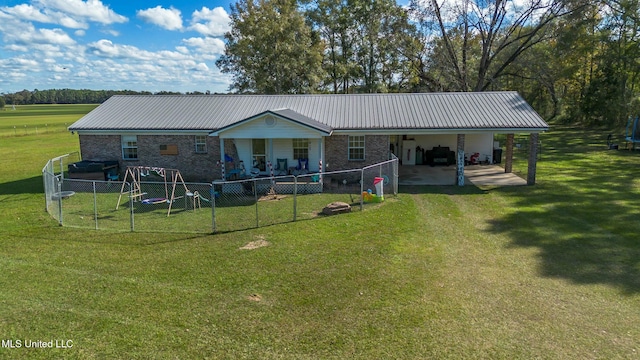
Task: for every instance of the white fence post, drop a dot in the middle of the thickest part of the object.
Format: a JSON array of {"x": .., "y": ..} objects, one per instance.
[
  {"x": 361, "y": 189},
  {"x": 295, "y": 197},
  {"x": 132, "y": 220},
  {"x": 95, "y": 205},
  {"x": 59, "y": 198},
  {"x": 212, "y": 192},
  {"x": 255, "y": 192}
]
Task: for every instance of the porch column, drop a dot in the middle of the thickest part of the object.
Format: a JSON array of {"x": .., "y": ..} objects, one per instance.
[
  {"x": 508, "y": 158},
  {"x": 223, "y": 170},
  {"x": 321, "y": 154},
  {"x": 533, "y": 159},
  {"x": 321, "y": 162},
  {"x": 460, "y": 163}
]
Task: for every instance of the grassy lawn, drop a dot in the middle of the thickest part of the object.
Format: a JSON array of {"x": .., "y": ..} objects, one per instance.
[
  {"x": 40, "y": 119},
  {"x": 548, "y": 271}
]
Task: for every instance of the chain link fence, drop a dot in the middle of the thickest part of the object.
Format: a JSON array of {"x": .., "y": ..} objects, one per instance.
[
  {"x": 158, "y": 205},
  {"x": 53, "y": 176}
]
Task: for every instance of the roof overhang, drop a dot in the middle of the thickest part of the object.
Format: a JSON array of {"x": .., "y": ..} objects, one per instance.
[
  {"x": 439, "y": 131},
  {"x": 139, "y": 132}
]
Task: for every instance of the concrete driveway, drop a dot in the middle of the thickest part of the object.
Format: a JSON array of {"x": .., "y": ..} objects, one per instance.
[{"x": 478, "y": 175}]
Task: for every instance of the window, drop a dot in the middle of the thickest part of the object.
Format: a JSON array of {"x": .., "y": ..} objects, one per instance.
[
  {"x": 129, "y": 147},
  {"x": 300, "y": 148},
  {"x": 201, "y": 144},
  {"x": 356, "y": 147}
]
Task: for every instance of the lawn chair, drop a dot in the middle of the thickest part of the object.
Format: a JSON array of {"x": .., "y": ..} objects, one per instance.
[
  {"x": 303, "y": 166},
  {"x": 281, "y": 167}
]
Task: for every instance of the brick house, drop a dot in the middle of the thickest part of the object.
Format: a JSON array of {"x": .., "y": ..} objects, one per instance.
[{"x": 198, "y": 133}]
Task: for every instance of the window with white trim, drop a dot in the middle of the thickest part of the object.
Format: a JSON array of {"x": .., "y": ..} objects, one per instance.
[
  {"x": 356, "y": 147},
  {"x": 301, "y": 148},
  {"x": 129, "y": 147},
  {"x": 201, "y": 144}
]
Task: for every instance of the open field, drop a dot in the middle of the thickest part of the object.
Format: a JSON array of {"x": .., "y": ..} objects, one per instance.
[
  {"x": 40, "y": 119},
  {"x": 550, "y": 271}
]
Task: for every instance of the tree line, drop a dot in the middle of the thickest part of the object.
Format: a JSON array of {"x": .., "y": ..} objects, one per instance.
[
  {"x": 72, "y": 96},
  {"x": 573, "y": 60}
]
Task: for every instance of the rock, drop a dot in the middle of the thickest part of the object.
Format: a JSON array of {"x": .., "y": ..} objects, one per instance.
[{"x": 337, "y": 207}]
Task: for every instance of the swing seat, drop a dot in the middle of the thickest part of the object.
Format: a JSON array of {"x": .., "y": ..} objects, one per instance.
[{"x": 154, "y": 201}]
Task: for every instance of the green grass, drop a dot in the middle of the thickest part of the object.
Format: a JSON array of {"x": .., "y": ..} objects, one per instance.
[
  {"x": 550, "y": 271},
  {"x": 40, "y": 119},
  {"x": 233, "y": 212}
]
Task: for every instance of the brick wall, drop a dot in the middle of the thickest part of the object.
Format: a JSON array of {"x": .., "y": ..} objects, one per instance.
[
  {"x": 204, "y": 167},
  {"x": 193, "y": 166},
  {"x": 100, "y": 147},
  {"x": 376, "y": 149}
]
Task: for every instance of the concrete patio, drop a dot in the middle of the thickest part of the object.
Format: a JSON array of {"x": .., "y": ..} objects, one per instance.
[{"x": 478, "y": 175}]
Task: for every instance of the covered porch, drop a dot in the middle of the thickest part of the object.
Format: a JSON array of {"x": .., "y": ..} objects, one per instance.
[
  {"x": 272, "y": 143},
  {"x": 477, "y": 175},
  {"x": 457, "y": 165}
]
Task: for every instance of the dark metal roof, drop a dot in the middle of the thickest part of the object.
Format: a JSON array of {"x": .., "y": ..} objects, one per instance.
[{"x": 416, "y": 111}]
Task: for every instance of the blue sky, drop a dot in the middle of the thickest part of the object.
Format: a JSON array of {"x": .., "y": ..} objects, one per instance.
[{"x": 93, "y": 44}]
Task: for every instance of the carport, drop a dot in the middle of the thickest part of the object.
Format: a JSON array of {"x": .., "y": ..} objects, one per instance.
[{"x": 478, "y": 175}]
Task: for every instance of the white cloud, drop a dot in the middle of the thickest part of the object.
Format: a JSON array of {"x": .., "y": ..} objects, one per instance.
[
  {"x": 54, "y": 36},
  {"x": 26, "y": 12},
  {"x": 18, "y": 65},
  {"x": 30, "y": 13},
  {"x": 111, "y": 32},
  {"x": 48, "y": 56},
  {"x": 71, "y": 23},
  {"x": 92, "y": 10},
  {"x": 210, "y": 22},
  {"x": 49, "y": 50},
  {"x": 73, "y": 14},
  {"x": 28, "y": 35},
  {"x": 211, "y": 46},
  {"x": 169, "y": 19},
  {"x": 16, "y": 48},
  {"x": 106, "y": 48}
]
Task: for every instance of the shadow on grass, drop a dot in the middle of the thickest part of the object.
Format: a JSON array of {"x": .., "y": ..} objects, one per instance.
[
  {"x": 25, "y": 186},
  {"x": 584, "y": 219},
  {"x": 121, "y": 238}
]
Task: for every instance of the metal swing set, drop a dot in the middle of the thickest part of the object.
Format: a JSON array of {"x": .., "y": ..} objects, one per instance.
[{"x": 134, "y": 175}]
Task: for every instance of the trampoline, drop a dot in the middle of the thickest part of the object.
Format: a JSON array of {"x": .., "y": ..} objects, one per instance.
[
  {"x": 62, "y": 195},
  {"x": 632, "y": 134}
]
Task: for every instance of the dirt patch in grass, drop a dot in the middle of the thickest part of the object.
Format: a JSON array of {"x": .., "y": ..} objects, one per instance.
[
  {"x": 254, "y": 297},
  {"x": 270, "y": 197},
  {"x": 258, "y": 243}
]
